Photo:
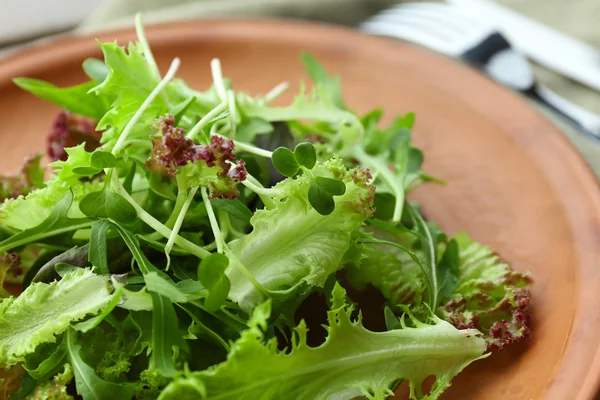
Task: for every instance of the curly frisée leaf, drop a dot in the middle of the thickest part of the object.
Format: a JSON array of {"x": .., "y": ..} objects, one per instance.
[
  {"x": 352, "y": 362},
  {"x": 43, "y": 311}
]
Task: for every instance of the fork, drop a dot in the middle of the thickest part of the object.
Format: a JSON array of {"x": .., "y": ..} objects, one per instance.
[{"x": 451, "y": 31}]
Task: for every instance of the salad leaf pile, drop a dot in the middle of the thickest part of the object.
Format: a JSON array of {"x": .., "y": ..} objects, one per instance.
[{"x": 210, "y": 245}]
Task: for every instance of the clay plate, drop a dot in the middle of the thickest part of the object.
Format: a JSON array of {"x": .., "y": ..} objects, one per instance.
[{"x": 513, "y": 181}]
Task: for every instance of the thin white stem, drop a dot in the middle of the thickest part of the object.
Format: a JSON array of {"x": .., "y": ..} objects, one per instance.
[
  {"x": 249, "y": 148},
  {"x": 179, "y": 220},
  {"x": 139, "y": 29},
  {"x": 156, "y": 224},
  {"x": 206, "y": 119},
  {"x": 213, "y": 221},
  {"x": 122, "y": 141},
  {"x": 233, "y": 117},
  {"x": 217, "y": 75},
  {"x": 276, "y": 92},
  {"x": 263, "y": 193}
]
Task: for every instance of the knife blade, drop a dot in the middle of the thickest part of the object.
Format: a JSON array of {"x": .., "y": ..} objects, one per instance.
[{"x": 549, "y": 47}]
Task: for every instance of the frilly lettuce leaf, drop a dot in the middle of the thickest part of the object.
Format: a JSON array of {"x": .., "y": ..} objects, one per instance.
[
  {"x": 490, "y": 296},
  {"x": 130, "y": 80},
  {"x": 26, "y": 212},
  {"x": 352, "y": 362},
  {"x": 292, "y": 243},
  {"x": 43, "y": 311}
]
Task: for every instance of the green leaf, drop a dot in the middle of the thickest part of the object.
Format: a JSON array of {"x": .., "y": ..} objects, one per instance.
[
  {"x": 27, "y": 386},
  {"x": 321, "y": 192},
  {"x": 428, "y": 259},
  {"x": 55, "y": 224},
  {"x": 291, "y": 244},
  {"x": 319, "y": 75},
  {"x": 89, "y": 385},
  {"x": 166, "y": 336},
  {"x": 233, "y": 207},
  {"x": 391, "y": 321},
  {"x": 130, "y": 81},
  {"x": 161, "y": 186},
  {"x": 97, "y": 253},
  {"x": 285, "y": 161},
  {"x": 179, "y": 109},
  {"x": 165, "y": 287},
  {"x": 448, "y": 271},
  {"x": 107, "y": 204},
  {"x": 43, "y": 311},
  {"x": 211, "y": 273},
  {"x": 93, "y": 322},
  {"x": 306, "y": 155},
  {"x": 50, "y": 365},
  {"x": 353, "y": 362},
  {"x": 74, "y": 99},
  {"x": 99, "y": 160},
  {"x": 95, "y": 69}
]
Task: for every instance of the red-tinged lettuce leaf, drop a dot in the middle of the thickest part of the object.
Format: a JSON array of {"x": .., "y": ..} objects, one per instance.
[
  {"x": 202, "y": 165},
  {"x": 30, "y": 177},
  {"x": 478, "y": 290},
  {"x": 70, "y": 130},
  {"x": 491, "y": 296}
]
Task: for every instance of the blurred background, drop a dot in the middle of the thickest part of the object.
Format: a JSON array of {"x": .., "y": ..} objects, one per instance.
[{"x": 38, "y": 21}]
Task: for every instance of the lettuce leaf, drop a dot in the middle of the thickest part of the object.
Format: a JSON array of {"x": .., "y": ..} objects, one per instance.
[
  {"x": 490, "y": 295},
  {"x": 292, "y": 243},
  {"x": 352, "y": 362},
  {"x": 44, "y": 311}
]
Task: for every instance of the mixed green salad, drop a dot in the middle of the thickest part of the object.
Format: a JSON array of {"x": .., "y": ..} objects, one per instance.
[{"x": 210, "y": 245}]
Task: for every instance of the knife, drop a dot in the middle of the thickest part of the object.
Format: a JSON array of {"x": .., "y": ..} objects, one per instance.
[{"x": 549, "y": 47}]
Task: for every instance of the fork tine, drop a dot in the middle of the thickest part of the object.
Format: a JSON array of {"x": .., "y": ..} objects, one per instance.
[
  {"x": 434, "y": 26},
  {"x": 409, "y": 33}
]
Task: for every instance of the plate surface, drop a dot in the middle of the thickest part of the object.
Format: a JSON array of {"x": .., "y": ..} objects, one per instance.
[{"x": 513, "y": 181}]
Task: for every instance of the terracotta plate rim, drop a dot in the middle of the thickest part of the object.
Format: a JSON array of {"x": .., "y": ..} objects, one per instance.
[{"x": 53, "y": 53}]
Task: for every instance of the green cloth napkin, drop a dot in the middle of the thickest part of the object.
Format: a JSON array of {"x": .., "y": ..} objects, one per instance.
[{"x": 578, "y": 18}]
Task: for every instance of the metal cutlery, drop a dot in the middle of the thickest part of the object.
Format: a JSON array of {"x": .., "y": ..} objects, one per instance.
[
  {"x": 547, "y": 46},
  {"x": 452, "y": 31}
]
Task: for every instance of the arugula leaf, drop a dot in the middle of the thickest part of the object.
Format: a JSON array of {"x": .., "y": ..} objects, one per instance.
[
  {"x": 448, "y": 271},
  {"x": 51, "y": 364},
  {"x": 319, "y": 75},
  {"x": 166, "y": 337},
  {"x": 89, "y": 385},
  {"x": 211, "y": 273},
  {"x": 107, "y": 204},
  {"x": 233, "y": 207},
  {"x": 97, "y": 253},
  {"x": 428, "y": 257},
  {"x": 75, "y": 99}
]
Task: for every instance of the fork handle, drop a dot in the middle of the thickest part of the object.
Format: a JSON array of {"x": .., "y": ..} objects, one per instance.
[{"x": 586, "y": 121}]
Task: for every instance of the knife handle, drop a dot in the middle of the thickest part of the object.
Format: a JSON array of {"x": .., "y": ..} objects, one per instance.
[{"x": 585, "y": 121}]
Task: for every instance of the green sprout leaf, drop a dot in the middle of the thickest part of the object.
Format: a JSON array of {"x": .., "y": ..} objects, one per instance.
[
  {"x": 285, "y": 161},
  {"x": 211, "y": 273},
  {"x": 321, "y": 192},
  {"x": 99, "y": 161},
  {"x": 306, "y": 155}
]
